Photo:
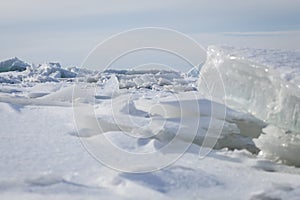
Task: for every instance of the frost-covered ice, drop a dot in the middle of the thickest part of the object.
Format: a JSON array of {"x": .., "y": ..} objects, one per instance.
[
  {"x": 270, "y": 91},
  {"x": 47, "y": 72},
  {"x": 13, "y": 64},
  {"x": 42, "y": 155},
  {"x": 278, "y": 144}
]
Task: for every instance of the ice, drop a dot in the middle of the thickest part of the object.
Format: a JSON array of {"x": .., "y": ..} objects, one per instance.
[
  {"x": 261, "y": 90},
  {"x": 278, "y": 144},
  {"x": 143, "y": 78},
  {"x": 152, "y": 79},
  {"x": 43, "y": 157},
  {"x": 47, "y": 72},
  {"x": 162, "y": 81},
  {"x": 253, "y": 88},
  {"x": 111, "y": 86},
  {"x": 167, "y": 115},
  {"x": 13, "y": 64},
  {"x": 10, "y": 78}
]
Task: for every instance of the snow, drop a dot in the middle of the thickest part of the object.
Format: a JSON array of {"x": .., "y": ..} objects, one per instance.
[
  {"x": 45, "y": 154},
  {"x": 41, "y": 160}
]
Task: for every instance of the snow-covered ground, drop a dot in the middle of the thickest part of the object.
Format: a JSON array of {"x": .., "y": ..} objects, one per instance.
[{"x": 45, "y": 152}]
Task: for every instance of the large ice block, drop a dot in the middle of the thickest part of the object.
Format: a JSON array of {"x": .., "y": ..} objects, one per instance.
[{"x": 254, "y": 88}]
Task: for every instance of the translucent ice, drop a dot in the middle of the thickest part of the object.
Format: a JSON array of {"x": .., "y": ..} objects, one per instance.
[
  {"x": 269, "y": 92},
  {"x": 254, "y": 88}
]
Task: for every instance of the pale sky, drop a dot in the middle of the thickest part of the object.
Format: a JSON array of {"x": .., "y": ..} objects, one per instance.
[{"x": 66, "y": 31}]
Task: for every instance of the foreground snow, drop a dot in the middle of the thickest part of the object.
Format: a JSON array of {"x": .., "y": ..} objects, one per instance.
[
  {"x": 42, "y": 158},
  {"x": 42, "y": 155}
]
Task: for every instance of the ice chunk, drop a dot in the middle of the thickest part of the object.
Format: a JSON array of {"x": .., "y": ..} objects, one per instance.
[
  {"x": 54, "y": 70},
  {"x": 262, "y": 91},
  {"x": 278, "y": 144},
  {"x": 111, "y": 87},
  {"x": 48, "y": 72},
  {"x": 13, "y": 64},
  {"x": 253, "y": 88},
  {"x": 10, "y": 77},
  {"x": 163, "y": 81}
]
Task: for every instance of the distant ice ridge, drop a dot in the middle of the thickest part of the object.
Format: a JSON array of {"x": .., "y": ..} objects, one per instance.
[
  {"x": 47, "y": 72},
  {"x": 13, "y": 64},
  {"x": 269, "y": 91},
  {"x": 53, "y": 72},
  {"x": 153, "y": 79}
]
